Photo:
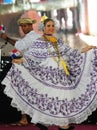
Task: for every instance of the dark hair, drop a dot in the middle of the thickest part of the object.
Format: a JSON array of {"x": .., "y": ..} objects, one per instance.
[{"x": 47, "y": 20}]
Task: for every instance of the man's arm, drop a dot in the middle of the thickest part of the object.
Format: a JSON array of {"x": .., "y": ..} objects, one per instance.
[{"x": 7, "y": 39}]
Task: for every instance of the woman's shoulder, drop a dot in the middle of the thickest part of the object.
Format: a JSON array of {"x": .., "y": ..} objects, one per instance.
[
  {"x": 39, "y": 43},
  {"x": 39, "y": 40}
]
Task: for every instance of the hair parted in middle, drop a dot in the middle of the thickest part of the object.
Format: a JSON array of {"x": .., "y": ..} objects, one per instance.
[{"x": 43, "y": 22}]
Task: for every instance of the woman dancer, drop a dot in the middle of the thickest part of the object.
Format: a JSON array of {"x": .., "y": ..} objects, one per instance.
[{"x": 54, "y": 84}]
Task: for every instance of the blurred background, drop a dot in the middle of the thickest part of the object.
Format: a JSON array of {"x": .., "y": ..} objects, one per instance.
[
  {"x": 76, "y": 23},
  {"x": 74, "y": 17}
]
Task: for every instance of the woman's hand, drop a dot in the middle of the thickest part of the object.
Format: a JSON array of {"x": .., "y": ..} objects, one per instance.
[
  {"x": 87, "y": 48},
  {"x": 18, "y": 61},
  {"x": 91, "y": 47}
]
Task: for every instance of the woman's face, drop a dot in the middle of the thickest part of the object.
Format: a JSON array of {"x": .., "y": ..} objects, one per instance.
[{"x": 49, "y": 28}]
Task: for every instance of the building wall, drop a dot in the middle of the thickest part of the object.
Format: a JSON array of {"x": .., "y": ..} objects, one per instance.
[
  {"x": 88, "y": 18},
  {"x": 11, "y": 28},
  {"x": 92, "y": 16}
]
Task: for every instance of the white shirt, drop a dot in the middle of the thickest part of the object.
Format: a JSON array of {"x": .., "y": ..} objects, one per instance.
[{"x": 24, "y": 43}]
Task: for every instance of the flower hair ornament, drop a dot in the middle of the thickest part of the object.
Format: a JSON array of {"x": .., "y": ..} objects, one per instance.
[{"x": 41, "y": 24}]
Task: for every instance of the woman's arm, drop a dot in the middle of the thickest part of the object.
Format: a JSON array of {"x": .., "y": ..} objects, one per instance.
[{"x": 87, "y": 48}]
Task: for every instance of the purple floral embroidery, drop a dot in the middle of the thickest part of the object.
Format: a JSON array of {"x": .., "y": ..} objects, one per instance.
[
  {"x": 50, "y": 105},
  {"x": 54, "y": 77}
]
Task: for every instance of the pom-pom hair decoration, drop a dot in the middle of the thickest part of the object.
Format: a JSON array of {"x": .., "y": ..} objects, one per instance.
[
  {"x": 52, "y": 39},
  {"x": 43, "y": 18},
  {"x": 41, "y": 24}
]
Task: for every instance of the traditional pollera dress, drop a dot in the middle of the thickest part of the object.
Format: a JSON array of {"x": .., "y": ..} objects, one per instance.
[{"x": 41, "y": 87}]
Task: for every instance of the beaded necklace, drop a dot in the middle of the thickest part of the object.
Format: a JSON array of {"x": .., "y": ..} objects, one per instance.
[{"x": 55, "y": 46}]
